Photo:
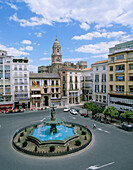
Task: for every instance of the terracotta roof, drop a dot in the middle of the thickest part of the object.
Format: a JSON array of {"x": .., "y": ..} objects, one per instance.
[
  {"x": 99, "y": 62},
  {"x": 86, "y": 69},
  {"x": 44, "y": 75}
]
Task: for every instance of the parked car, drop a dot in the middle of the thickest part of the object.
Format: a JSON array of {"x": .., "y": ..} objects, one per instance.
[
  {"x": 73, "y": 111},
  {"x": 66, "y": 109},
  {"x": 86, "y": 115},
  {"x": 93, "y": 116},
  {"x": 83, "y": 114}
]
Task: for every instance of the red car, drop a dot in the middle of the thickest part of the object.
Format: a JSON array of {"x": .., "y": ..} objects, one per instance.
[{"x": 83, "y": 114}]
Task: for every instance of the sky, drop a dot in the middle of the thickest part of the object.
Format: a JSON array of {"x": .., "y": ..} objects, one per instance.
[{"x": 85, "y": 29}]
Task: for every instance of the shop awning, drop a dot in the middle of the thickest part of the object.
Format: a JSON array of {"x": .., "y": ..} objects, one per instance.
[{"x": 6, "y": 105}]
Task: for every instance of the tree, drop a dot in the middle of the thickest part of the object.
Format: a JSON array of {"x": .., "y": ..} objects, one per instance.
[
  {"x": 111, "y": 111},
  {"x": 99, "y": 109},
  {"x": 89, "y": 107},
  {"x": 127, "y": 115}
]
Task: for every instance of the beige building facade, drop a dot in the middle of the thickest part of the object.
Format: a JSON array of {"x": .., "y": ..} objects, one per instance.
[{"x": 120, "y": 76}]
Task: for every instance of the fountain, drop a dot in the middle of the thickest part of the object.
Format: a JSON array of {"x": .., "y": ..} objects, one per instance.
[{"x": 53, "y": 130}]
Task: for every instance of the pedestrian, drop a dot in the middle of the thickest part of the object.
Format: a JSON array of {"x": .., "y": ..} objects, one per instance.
[{"x": 94, "y": 126}]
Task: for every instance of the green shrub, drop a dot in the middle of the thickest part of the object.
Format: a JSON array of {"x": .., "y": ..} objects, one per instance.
[
  {"x": 67, "y": 148},
  {"x": 21, "y": 134},
  {"x": 35, "y": 148},
  {"x": 73, "y": 125},
  {"x": 35, "y": 126},
  {"x": 83, "y": 132},
  {"x": 41, "y": 108},
  {"x": 25, "y": 130},
  {"x": 80, "y": 128},
  {"x": 18, "y": 139},
  {"x": 45, "y": 108},
  {"x": 77, "y": 142},
  {"x": 85, "y": 137},
  {"x": 24, "y": 144},
  {"x": 52, "y": 148}
]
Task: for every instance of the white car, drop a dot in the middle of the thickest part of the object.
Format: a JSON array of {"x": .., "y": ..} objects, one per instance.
[
  {"x": 73, "y": 111},
  {"x": 66, "y": 109}
]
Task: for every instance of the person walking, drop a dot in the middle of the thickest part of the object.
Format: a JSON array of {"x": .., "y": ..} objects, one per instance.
[{"x": 94, "y": 126}]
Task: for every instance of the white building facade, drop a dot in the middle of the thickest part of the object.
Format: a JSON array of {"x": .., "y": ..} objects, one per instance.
[
  {"x": 100, "y": 82},
  {"x": 20, "y": 81}
]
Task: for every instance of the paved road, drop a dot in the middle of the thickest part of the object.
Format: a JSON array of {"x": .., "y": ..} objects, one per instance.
[{"x": 112, "y": 148}]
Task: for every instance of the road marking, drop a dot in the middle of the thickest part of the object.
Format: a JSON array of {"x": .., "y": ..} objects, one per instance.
[
  {"x": 98, "y": 167},
  {"x": 0, "y": 126},
  {"x": 43, "y": 119},
  {"x": 100, "y": 129},
  {"x": 103, "y": 130},
  {"x": 72, "y": 117}
]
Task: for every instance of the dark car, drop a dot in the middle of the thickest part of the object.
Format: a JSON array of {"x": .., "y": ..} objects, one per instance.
[
  {"x": 86, "y": 115},
  {"x": 93, "y": 116}
]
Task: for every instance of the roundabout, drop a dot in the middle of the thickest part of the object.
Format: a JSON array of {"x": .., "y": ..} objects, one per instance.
[{"x": 52, "y": 137}]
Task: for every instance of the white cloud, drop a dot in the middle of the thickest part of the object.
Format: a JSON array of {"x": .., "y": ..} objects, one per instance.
[
  {"x": 84, "y": 26},
  {"x": 34, "y": 21},
  {"x": 12, "y": 5},
  {"x": 96, "y": 34},
  {"x": 26, "y": 42},
  {"x": 100, "y": 56},
  {"x": 29, "y": 48},
  {"x": 102, "y": 13},
  {"x": 102, "y": 47},
  {"x": 45, "y": 53},
  {"x": 46, "y": 58},
  {"x": 38, "y": 34},
  {"x": 13, "y": 51}
]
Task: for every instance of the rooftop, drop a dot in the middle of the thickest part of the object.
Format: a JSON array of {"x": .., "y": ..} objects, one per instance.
[
  {"x": 44, "y": 75},
  {"x": 100, "y": 62}
]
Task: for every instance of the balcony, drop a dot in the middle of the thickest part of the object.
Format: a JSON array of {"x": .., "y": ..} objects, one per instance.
[{"x": 119, "y": 71}]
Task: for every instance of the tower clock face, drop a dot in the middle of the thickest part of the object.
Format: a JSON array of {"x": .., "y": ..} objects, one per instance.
[{"x": 58, "y": 59}]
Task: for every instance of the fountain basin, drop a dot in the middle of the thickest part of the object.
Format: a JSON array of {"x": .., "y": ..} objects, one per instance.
[{"x": 42, "y": 135}]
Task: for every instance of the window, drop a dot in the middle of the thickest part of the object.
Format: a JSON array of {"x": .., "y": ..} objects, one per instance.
[
  {"x": 104, "y": 67},
  {"x": 119, "y": 57},
  {"x": 57, "y": 95},
  {"x": 1, "y": 98},
  {"x": 103, "y": 88},
  {"x": 71, "y": 86},
  {"x": 70, "y": 78},
  {"x": 16, "y": 88},
  {"x": 52, "y": 82},
  {"x": 131, "y": 89},
  {"x": 130, "y": 78},
  {"x": 103, "y": 77},
  {"x": 57, "y": 83},
  {"x": 111, "y": 88},
  {"x": 1, "y": 60},
  {"x": 45, "y": 90},
  {"x": 111, "y": 77},
  {"x": 120, "y": 78},
  {"x": 96, "y": 97},
  {"x": 1, "y": 69},
  {"x": 76, "y": 79},
  {"x": 112, "y": 59},
  {"x": 120, "y": 67},
  {"x": 96, "y": 88},
  {"x": 20, "y": 67},
  {"x": 63, "y": 86},
  {"x": 7, "y": 68},
  {"x": 45, "y": 82},
  {"x": 7, "y": 75},
  {"x": 130, "y": 66},
  {"x": 38, "y": 83},
  {"x": 52, "y": 90},
  {"x": 97, "y": 68},
  {"x": 63, "y": 78},
  {"x": 76, "y": 87},
  {"x": 57, "y": 90},
  {"x": 96, "y": 78},
  {"x": 57, "y": 50},
  {"x": 119, "y": 88},
  {"x": 111, "y": 68},
  {"x": 38, "y": 104},
  {"x": 52, "y": 95},
  {"x": 104, "y": 99},
  {"x": 1, "y": 75},
  {"x": 8, "y": 98}
]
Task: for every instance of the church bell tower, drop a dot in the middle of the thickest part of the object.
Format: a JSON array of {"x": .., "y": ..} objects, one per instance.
[{"x": 56, "y": 55}]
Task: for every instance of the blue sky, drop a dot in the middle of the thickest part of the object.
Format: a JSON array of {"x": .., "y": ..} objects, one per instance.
[{"x": 85, "y": 29}]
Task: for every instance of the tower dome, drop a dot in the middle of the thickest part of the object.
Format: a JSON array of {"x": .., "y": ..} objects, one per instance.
[{"x": 56, "y": 43}]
